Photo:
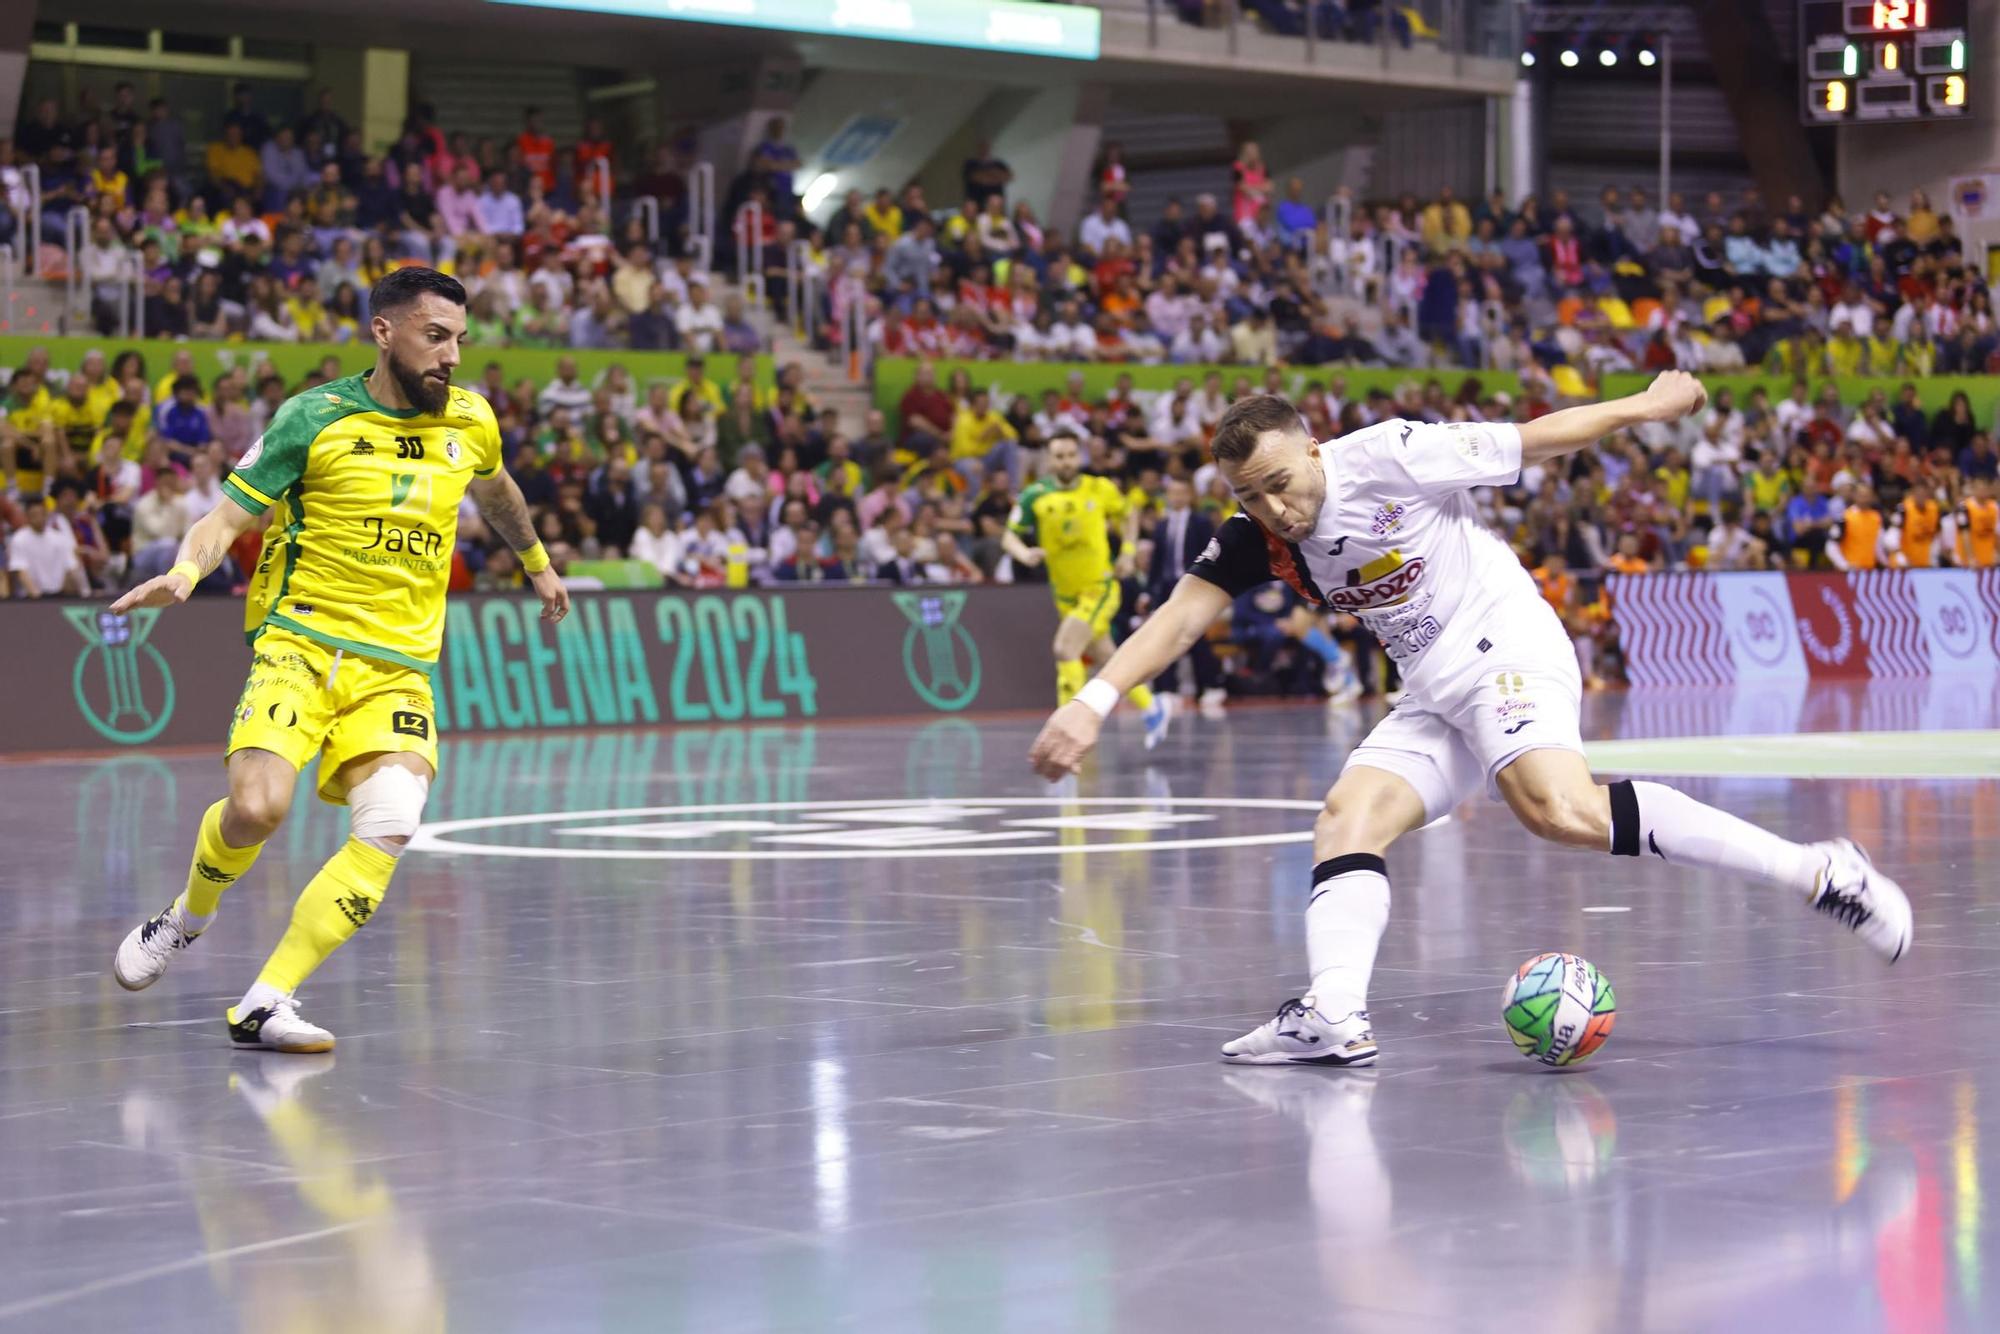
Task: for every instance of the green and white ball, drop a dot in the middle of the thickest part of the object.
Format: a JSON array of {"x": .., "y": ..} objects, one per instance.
[{"x": 1558, "y": 1009}]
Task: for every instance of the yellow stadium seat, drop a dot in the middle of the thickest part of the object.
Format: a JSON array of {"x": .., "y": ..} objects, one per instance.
[
  {"x": 1617, "y": 312},
  {"x": 1569, "y": 383}
]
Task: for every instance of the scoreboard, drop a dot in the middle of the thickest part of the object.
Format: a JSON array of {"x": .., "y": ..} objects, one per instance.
[{"x": 1874, "y": 60}]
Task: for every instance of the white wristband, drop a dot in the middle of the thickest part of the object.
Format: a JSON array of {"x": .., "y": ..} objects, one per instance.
[{"x": 1099, "y": 696}]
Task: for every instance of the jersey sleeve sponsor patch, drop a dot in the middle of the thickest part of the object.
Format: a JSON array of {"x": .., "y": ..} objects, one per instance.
[{"x": 1237, "y": 559}]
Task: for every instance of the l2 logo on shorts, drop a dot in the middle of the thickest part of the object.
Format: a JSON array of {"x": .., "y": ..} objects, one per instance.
[
  {"x": 407, "y": 723},
  {"x": 949, "y": 676},
  {"x": 871, "y": 830},
  {"x": 110, "y": 679}
]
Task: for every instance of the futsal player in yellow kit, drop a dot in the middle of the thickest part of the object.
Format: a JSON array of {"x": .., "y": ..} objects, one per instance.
[
  {"x": 1065, "y": 519},
  {"x": 361, "y": 480}
]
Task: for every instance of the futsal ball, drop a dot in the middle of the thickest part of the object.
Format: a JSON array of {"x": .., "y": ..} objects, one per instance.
[{"x": 1558, "y": 1009}]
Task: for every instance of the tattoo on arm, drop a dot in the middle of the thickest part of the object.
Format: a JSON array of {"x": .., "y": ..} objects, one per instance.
[
  {"x": 506, "y": 512},
  {"x": 204, "y": 548}
]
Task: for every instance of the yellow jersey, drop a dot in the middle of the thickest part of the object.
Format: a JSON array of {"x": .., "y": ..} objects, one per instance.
[
  {"x": 974, "y": 436},
  {"x": 708, "y": 391},
  {"x": 101, "y": 396},
  {"x": 77, "y": 423},
  {"x": 163, "y": 388},
  {"x": 27, "y": 419},
  {"x": 1073, "y": 525},
  {"x": 364, "y": 516}
]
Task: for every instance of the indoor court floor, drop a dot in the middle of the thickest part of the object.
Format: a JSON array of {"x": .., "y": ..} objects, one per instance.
[{"x": 863, "y": 1028}]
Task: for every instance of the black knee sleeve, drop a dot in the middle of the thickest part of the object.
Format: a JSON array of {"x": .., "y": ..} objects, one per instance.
[{"x": 1624, "y": 820}]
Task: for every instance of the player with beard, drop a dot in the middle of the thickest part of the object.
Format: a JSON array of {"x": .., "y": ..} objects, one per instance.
[
  {"x": 1381, "y": 524},
  {"x": 360, "y": 479}
]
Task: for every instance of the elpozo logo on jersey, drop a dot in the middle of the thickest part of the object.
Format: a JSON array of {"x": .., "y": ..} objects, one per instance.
[{"x": 1382, "y": 582}]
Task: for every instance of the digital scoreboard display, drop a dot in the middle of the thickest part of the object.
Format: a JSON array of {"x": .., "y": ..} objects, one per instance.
[{"x": 1870, "y": 60}]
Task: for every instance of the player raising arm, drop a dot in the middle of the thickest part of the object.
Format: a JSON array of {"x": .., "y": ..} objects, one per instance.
[{"x": 1381, "y": 525}]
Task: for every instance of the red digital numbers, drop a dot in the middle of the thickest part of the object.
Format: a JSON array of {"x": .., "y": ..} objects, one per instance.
[{"x": 1900, "y": 15}]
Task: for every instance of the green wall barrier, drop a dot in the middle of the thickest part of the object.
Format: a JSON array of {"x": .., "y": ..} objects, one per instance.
[
  {"x": 1933, "y": 391},
  {"x": 293, "y": 360},
  {"x": 895, "y": 375}
]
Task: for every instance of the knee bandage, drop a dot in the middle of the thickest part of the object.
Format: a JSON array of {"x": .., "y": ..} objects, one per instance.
[{"x": 385, "y": 808}]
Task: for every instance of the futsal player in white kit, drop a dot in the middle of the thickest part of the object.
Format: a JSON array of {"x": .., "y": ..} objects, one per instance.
[{"x": 1381, "y": 524}]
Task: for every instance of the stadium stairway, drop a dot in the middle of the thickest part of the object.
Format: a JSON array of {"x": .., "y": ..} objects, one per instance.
[{"x": 826, "y": 377}]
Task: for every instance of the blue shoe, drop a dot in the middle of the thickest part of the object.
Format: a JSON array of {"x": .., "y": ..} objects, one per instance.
[{"x": 1157, "y": 719}]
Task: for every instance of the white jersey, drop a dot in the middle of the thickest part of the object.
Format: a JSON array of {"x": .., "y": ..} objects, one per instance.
[{"x": 1400, "y": 546}]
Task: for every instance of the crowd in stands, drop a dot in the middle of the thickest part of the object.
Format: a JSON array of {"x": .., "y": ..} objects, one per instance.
[
  {"x": 104, "y": 465},
  {"x": 276, "y": 232},
  {"x": 1269, "y": 276}
]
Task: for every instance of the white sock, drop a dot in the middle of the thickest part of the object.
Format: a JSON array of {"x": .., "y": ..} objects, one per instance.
[
  {"x": 1654, "y": 819},
  {"x": 1344, "y": 924},
  {"x": 192, "y": 923},
  {"x": 257, "y": 998}
]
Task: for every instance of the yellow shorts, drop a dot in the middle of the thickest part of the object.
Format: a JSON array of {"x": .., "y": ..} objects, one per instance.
[
  {"x": 1096, "y": 606},
  {"x": 299, "y": 703}
]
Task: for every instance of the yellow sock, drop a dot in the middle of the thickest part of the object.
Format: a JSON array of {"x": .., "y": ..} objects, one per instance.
[
  {"x": 1070, "y": 677},
  {"x": 216, "y": 865},
  {"x": 1141, "y": 697},
  {"x": 331, "y": 908}
]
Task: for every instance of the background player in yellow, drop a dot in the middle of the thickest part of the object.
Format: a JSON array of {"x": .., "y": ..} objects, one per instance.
[
  {"x": 361, "y": 478},
  {"x": 1064, "y": 519}
]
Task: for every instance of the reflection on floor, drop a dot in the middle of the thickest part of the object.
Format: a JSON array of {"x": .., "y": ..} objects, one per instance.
[{"x": 888, "y": 1037}]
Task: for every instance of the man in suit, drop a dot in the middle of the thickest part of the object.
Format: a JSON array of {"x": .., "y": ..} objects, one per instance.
[
  {"x": 904, "y": 567},
  {"x": 1178, "y": 539}
]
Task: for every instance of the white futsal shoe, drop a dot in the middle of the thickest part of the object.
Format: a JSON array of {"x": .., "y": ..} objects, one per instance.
[
  {"x": 1298, "y": 1034},
  {"x": 143, "y": 955},
  {"x": 1858, "y": 896},
  {"x": 277, "y": 1027}
]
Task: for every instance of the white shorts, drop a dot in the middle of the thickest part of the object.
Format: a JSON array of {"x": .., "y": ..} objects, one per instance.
[{"x": 1445, "y": 746}]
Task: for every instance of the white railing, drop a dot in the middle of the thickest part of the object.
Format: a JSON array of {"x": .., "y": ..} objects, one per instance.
[
  {"x": 600, "y": 171},
  {"x": 31, "y": 234},
  {"x": 854, "y": 337},
  {"x": 701, "y": 214},
  {"x": 750, "y": 252},
  {"x": 132, "y": 306},
  {"x": 1492, "y": 327},
  {"x": 649, "y": 209},
  {"x": 76, "y": 226},
  {"x": 1339, "y": 214},
  {"x": 797, "y": 313},
  {"x": 7, "y": 295}
]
